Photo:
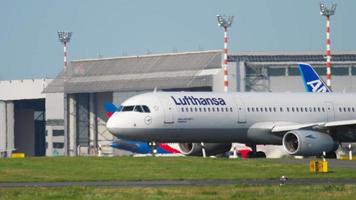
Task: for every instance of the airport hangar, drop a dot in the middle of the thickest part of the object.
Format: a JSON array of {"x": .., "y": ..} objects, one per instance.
[{"x": 88, "y": 84}]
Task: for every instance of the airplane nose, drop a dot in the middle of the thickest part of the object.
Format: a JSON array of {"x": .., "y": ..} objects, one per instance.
[{"x": 110, "y": 124}]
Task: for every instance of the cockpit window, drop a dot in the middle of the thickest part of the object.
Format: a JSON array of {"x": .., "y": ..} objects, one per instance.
[
  {"x": 146, "y": 109},
  {"x": 136, "y": 108},
  {"x": 127, "y": 108}
]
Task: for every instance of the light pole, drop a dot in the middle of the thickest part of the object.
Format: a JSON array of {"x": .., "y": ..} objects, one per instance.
[
  {"x": 327, "y": 12},
  {"x": 64, "y": 38},
  {"x": 225, "y": 22}
]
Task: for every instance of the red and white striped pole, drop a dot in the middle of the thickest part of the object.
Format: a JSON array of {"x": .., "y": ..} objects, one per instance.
[
  {"x": 328, "y": 53},
  {"x": 225, "y": 23},
  {"x": 327, "y": 12},
  {"x": 64, "y": 38},
  {"x": 65, "y": 56},
  {"x": 226, "y": 81}
]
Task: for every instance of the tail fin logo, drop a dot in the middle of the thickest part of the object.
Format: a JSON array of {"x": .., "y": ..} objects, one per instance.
[
  {"x": 110, "y": 109},
  {"x": 312, "y": 81},
  {"x": 317, "y": 86}
]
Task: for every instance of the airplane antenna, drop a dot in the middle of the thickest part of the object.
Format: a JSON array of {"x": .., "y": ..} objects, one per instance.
[
  {"x": 327, "y": 12},
  {"x": 225, "y": 22},
  {"x": 155, "y": 90}
]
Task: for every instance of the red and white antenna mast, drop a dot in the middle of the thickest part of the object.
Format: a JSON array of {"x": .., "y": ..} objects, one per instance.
[
  {"x": 225, "y": 22},
  {"x": 64, "y": 38},
  {"x": 327, "y": 12}
]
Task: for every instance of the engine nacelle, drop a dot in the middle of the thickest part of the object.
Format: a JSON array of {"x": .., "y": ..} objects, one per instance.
[
  {"x": 308, "y": 143},
  {"x": 195, "y": 149}
]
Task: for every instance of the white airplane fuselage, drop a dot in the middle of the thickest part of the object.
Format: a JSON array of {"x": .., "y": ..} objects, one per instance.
[{"x": 229, "y": 117}]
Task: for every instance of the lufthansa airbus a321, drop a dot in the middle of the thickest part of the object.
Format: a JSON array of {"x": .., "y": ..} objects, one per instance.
[{"x": 305, "y": 124}]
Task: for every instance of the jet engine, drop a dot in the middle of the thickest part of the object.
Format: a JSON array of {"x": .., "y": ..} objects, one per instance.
[
  {"x": 195, "y": 149},
  {"x": 308, "y": 143}
]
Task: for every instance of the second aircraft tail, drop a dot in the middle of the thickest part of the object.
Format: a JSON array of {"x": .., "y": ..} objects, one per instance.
[{"x": 312, "y": 81}]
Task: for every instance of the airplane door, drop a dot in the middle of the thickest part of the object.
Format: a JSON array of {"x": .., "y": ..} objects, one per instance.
[
  {"x": 330, "y": 111},
  {"x": 241, "y": 111},
  {"x": 168, "y": 111}
]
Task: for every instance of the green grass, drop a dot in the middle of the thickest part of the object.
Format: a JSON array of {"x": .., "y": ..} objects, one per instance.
[
  {"x": 150, "y": 168},
  {"x": 324, "y": 192}
]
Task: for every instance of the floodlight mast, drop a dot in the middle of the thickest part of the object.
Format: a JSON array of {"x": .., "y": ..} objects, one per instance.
[
  {"x": 225, "y": 22},
  {"x": 64, "y": 38},
  {"x": 327, "y": 12}
]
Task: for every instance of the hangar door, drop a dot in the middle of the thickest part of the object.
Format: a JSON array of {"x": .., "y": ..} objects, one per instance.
[{"x": 30, "y": 127}]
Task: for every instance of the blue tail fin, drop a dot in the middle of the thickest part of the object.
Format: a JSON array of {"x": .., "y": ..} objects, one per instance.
[
  {"x": 311, "y": 79},
  {"x": 110, "y": 109}
]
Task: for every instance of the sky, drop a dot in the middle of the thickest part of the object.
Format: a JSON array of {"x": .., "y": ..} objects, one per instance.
[{"x": 29, "y": 46}]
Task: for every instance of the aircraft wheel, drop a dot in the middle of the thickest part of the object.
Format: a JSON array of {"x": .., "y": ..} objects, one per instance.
[
  {"x": 250, "y": 154},
  {"x": 261, "y": 154},
  {"x": 331, "y": 155}
]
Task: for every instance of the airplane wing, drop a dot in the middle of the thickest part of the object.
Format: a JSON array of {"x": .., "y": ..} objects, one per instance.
[{"x": 283, "y": 128}]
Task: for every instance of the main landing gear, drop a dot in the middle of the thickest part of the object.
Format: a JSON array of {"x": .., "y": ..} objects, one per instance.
[{"x": 254, "y": 153}]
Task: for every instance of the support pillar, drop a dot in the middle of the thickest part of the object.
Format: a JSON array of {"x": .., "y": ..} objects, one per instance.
[
  {"x": 72, "y": 111},
  {"x": 49, "y": 140},
  {"x": 93, "y": 144},
  {"x": 10, "y": 130},
  {"x": 241, "y": 76}
]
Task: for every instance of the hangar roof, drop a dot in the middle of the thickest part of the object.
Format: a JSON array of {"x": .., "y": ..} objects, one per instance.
[
  {"x": 22, "y": 89},
  {"x": 289, "y": 58},
  {"x": 174, "y": 70}
]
